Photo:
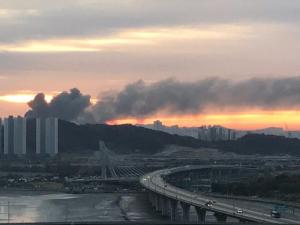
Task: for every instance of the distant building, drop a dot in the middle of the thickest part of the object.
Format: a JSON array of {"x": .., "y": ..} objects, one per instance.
[
  {"x": 202, "y": 133},
  {"x": 221, "y": 133},
  {"x": 19, "y": 135},
  {"x": 1, "y": 137},
  {"x": 51, "y": 136},
  {"x": 205, "y": 133},
  {"x": 47, "y": 136},
  {"x": 212, "y": 133},
  {"x": 216, "y": 133},
  {"x": 14, "y": 136},
  {"x": 158, "y": 125},
  {"x": 41, "y": 136},
  {"x": 9, "y": 135},
  {"x": 233, "y": 135}
]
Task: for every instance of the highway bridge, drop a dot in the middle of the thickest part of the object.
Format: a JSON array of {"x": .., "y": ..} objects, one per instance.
[{"x": 166, "y": 198}]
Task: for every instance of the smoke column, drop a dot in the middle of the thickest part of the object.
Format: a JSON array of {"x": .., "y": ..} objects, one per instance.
[{"x": 139, "y": 100}]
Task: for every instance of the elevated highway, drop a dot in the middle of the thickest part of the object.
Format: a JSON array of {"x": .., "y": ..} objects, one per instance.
[{"x": 166, "y": 198}]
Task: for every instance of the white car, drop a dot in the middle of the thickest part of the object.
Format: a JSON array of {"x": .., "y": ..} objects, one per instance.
[
  {"x": 209, "y": 204},
  {"x": 239, "y": 211}
]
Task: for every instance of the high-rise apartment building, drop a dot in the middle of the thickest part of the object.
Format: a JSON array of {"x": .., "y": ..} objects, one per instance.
[
  {"x": 157, "y": 125},
  {"x": 41, "y": 136},
  {"x": 51, "y": 136},
  {"x": 1, "y": 137},
  {"x": 47, "y": 136},
  {"x": 9, "y": 135},
  {"x": 14, "y": 136},
  {"x": 19, "y": 136}
]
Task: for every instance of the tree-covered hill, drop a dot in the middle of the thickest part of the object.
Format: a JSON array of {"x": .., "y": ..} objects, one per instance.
[
  {"x": 120, "y": 138},
  {"x": 261, "y": 144},
  {"x": 74, "y": 138}
]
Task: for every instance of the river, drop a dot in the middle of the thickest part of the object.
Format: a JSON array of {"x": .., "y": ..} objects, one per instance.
[
  {"x": 24, "y": 206},
  {"x": 27, "y": 206}
]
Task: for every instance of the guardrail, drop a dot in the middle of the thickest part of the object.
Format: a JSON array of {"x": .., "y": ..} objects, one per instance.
[{"x": 270, "y": 201}]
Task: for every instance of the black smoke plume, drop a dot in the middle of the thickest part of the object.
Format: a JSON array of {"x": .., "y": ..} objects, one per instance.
[
  {"x": 66, "y": 105},
  {"x": 173, "y": 97}
]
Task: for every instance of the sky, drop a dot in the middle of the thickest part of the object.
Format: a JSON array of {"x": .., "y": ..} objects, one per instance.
[{"x": 104, "y": 46}]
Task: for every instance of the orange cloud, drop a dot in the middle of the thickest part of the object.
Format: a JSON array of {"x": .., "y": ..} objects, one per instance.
[
  {"x": 21, "y": 98},
  {"x": 26, "y": 97}
]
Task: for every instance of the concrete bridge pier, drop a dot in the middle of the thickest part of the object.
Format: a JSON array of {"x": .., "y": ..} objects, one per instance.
[
  {"x": 152, "y": 199},
  {"x": 185, "y": 211},
  {"x": 157, "y": 203},
  {"x": 201, "y": 214},
  {"x": 149, "y": 197},
  {"x": 243, "y": 220},
  {"x": 173, "y": 209},
  {"x": 220, "y": 217},
  {"x": 165, "y": 206}
]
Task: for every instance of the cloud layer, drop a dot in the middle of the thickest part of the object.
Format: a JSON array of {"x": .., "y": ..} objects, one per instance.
[
  {"x": 90, "y": 42},
  {"x": 44, "y": 20},
  {"x": 172, "y": 97}
]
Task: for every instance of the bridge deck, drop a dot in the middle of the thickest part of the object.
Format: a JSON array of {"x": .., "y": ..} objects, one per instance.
[{"x": 154, "y": 182}]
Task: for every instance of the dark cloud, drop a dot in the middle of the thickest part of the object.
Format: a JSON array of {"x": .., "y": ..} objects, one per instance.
[{"x": 67, "y": 105}]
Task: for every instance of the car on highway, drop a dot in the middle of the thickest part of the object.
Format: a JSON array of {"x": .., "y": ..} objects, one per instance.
[
  {"x": 239, "y": 211},
  {"x": 275, "y": 214},
  {"x": 209, "y": 203}
]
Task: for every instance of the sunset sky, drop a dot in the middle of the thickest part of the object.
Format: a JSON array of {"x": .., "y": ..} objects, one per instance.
[{"x": 101, "y": 46}]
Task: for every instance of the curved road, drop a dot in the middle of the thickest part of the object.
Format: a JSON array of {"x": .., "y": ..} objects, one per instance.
[{"x": 154, "y": 182}]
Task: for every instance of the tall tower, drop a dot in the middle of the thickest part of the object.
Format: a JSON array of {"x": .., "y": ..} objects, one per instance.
[
  {"x": 9, "y": 135},
  {"x": 1, "y": 137},
  {"x": 51, "y": 134},
  {"x": 41, "y": 136},
  {"x": 19, "y": 136}
]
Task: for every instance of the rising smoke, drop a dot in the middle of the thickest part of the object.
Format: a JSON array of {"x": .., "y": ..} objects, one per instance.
[
  {"x": 140, "y": 100},
  {"x": 66, "y": 105}
]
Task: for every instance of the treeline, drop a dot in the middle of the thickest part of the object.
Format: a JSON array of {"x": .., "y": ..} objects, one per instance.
[
  {"x": 261, "y": 144},
  {"x": 283, "y": 186}
]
